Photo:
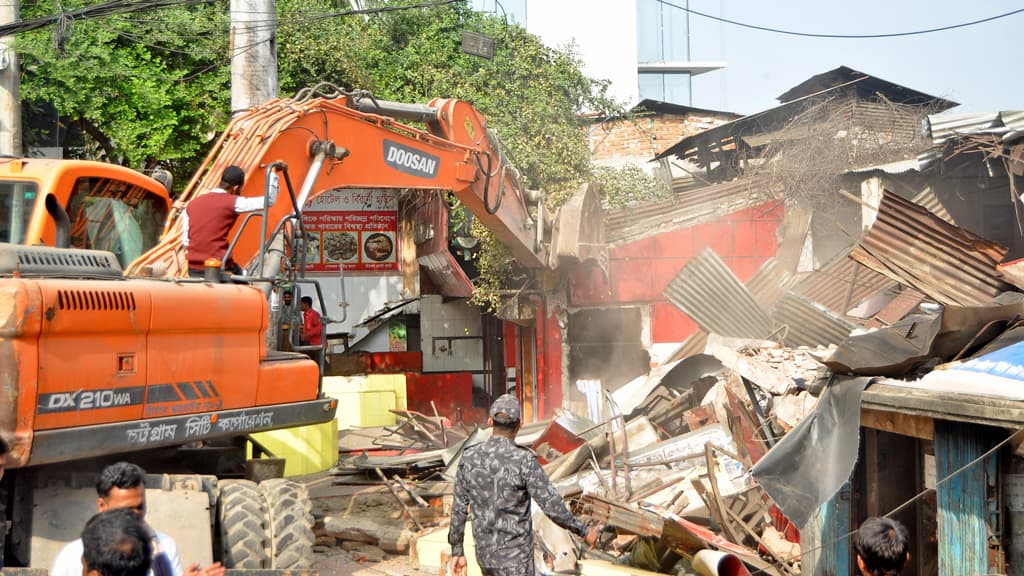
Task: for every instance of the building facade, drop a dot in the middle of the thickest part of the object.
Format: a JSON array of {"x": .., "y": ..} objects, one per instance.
[{"x": 649, "y": 57}]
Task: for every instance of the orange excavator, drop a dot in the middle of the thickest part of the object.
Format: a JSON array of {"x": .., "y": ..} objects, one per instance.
[{"x": 100, "y": 362}]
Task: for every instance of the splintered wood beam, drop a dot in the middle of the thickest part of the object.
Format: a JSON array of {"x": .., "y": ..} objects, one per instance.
[{"x": 399, "y": 498}]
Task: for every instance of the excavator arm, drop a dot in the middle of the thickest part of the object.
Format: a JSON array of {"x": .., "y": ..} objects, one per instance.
[{"x": 354, "y": 141}]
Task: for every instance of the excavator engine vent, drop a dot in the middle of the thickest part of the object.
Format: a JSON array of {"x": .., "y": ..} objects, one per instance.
[
  {"x": 66, "y": 262},
  {"x": 112, "y": 300}
]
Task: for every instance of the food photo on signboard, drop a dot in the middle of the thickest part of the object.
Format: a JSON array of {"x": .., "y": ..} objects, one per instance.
[{"x": 379, "y": 247}]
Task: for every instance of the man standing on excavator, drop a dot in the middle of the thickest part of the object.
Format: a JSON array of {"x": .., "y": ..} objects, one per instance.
[{"x": 209, "y": 218}]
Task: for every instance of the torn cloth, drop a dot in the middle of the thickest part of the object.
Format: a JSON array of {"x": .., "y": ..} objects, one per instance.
[{"x": 809, "y": 465}]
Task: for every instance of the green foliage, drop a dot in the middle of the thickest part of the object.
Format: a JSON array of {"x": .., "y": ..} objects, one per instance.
[
  {"x": 628, "y": 185},
  {"x": 144, "y": 87}
]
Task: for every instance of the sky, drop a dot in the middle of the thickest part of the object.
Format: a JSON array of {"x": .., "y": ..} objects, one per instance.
[{"x": 975, "y": 66}]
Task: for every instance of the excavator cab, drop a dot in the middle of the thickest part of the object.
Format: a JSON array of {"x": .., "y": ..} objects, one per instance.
[{"x": 109, "y": 207}]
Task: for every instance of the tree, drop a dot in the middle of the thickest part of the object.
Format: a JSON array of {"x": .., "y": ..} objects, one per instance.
[{"x": 142, "y": 87}]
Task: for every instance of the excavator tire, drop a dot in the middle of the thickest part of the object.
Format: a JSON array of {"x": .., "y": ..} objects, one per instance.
[
  {"x": 243, "y": 536},
  {"x": 289, "y": 524}
]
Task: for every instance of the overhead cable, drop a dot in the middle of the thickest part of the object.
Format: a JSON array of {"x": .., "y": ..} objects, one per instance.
[
  {"x": 129, "y": 6},
  {"x": 841, "y": 36}
]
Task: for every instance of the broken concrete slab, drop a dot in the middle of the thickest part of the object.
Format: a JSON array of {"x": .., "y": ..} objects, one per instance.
[
  {"x": 765, "y": 377},
  {"x": 791, "y": 409},
  {"x": 388, "y": 536}
]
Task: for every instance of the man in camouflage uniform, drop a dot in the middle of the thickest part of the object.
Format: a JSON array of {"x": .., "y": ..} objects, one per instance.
[{"x": 497, "y": 479}]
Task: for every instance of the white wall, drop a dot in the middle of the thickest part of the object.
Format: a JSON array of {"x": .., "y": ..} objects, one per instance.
[
  {"x": 365, "y": 294},
  {"x": 458, "y": 320}
]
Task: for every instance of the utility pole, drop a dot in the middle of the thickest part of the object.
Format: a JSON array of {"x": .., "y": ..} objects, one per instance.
[
  {"x": 253, "y": 53},
  {"x": 10, "y": 106}
]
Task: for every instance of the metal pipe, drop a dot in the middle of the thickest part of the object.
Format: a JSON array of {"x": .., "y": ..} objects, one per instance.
[
  {"x": 311, "y": 176},
  {"x": 400, "y": 110},
  {"x": 266, "y": 196}
]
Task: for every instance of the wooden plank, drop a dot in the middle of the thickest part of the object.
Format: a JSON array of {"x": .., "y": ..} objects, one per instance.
[
  {"x": 408, "y": 490},
  {"x": 897, "y": 423},
  {"x": 990, "y": 411},
  {"x": 399, "y": 498}
]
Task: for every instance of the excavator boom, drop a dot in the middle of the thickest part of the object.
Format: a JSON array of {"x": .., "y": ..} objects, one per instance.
[{"x": 353, "y": 141}]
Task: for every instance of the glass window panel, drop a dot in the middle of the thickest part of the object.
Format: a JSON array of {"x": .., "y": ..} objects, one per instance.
[
  {"x": 16, "y": 202},
  {"x": 115, "y": 216}
]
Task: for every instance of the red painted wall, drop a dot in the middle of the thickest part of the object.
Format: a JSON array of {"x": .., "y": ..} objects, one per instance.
[
  {"x": 549, "y": 361},
  {"x": 640, "y": 270},
  {"x": 452, "y": 393}
]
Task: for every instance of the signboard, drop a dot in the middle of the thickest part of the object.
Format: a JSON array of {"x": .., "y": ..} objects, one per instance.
[
  {"x": 477, "y": 44},
  {"x": 357, "y": 229}
]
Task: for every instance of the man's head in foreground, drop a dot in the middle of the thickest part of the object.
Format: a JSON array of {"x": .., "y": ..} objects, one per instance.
[
  {"x": 882, "y": 547},
  {"x": 115, "y": 543},
  {"x": 122, "y": 485}
]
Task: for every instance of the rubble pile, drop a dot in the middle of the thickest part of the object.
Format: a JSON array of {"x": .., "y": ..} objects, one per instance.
[
  {"x": 705, "y": 454},
  {"x": 671, "y": 476}
]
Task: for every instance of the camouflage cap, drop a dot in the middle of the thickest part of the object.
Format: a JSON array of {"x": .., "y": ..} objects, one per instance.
[{"x": 507, "y": 405}]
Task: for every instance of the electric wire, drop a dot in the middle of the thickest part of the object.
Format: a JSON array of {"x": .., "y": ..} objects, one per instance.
[
  {"x": 130, "y": 6},
  {"x": 841, "y": 36}
]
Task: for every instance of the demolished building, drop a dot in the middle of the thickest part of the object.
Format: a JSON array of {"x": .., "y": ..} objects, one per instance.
[{"x": 865, "y": 316}]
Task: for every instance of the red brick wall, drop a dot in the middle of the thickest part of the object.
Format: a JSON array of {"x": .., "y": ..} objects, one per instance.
[
  {"x": 640, "y": 270},
  {"x": 644, "y": 136}
]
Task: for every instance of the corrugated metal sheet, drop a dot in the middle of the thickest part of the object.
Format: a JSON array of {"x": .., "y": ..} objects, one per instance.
[
  {"x": 845, "y": 75},
  {"x": 694, "y": 207},
  {"x": 913, "y": 246},
  {"x": 707, "y": 291},
  {"x": 942, "y": 127},
  {"x": 446, "y": 274},
  {"x": 891, "y": 168},
  {"x": 766, "y": 287},
  {"x": 694, "y": 345},
  {"x": 928, "y": 199},
  {"x": 769, "y": 284},
  {"x": 809, "y": 324},
  {"x": 962, "y": 507},
  {"x": 899, "y": 127},
  {"x": 859, "y": 85},
  {"x": 841, "y": 284}
]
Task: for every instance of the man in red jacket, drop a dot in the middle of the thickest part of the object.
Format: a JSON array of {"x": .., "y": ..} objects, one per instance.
[
  {"x": 312, "y": 327},
  {"x": 209, "y": 218}
]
